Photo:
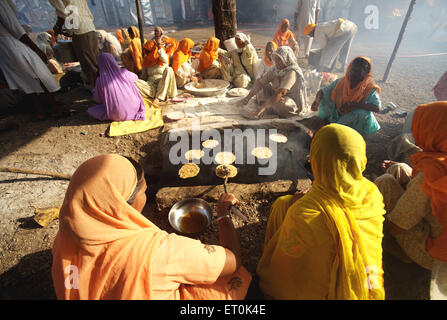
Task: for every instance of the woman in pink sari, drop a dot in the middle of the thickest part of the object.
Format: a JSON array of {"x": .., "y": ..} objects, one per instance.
[{"x": 116, "y": 92}]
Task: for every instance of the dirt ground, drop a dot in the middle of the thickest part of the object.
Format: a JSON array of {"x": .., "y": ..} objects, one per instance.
[{"x": 62, "y": 145}]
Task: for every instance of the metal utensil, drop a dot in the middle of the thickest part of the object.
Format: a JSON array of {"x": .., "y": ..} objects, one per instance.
[
  {"x": 182, "y": 208},
  {"x": 233, "y": 208}
]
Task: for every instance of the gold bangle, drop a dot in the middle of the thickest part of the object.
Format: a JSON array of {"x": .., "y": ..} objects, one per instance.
[{"x": 225, "y": 216}]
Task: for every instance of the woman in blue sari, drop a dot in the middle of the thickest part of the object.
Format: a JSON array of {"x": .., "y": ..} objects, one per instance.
[{"x": 351, "y": 100}]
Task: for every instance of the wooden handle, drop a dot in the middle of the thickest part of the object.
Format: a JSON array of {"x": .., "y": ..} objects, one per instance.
[{"x": 36, "y": 172}]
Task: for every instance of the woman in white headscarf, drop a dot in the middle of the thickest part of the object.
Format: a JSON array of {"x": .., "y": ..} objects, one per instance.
[
  {"x": 238, "y": 66},
  {"x": 108, "y": 43},
  {"x": 281, "y": 90}
]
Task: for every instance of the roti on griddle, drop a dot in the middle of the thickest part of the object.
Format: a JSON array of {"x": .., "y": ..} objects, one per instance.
[
  {"x": 194, "y": 154},
  {"x": 262, "y": 153},
  {"x": 225, "y": 158},
  {"x": 278, "y": 138},
  {"x": 189, "y": 170},
  {"x": 221, "y": 171},
  {"x": 210, "y": 144}
]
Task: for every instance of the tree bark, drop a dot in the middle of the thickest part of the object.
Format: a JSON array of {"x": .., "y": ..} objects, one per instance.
[
  {"x": 225, "y": 23},
  {"x": 140, "y": 21}
]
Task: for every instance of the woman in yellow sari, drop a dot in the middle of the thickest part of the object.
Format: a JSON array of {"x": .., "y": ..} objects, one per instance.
[
  {"x": 132, "y": 57},
  {"x": 328, "y": 243}
]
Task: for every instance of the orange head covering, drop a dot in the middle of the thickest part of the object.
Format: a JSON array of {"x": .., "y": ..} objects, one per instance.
[
  {"x": 283, "y": 38},
  {"x": 209, "y": 54},
  {"x": 267, "y": 60},
  {"x": 309, "y": 28},
  {"x": 430, "y": 133},
  {"x": 183, "y": 53},
  {"x": 343, "y": 93},
  {"x": 104, "y": 247},
  {"x": 119, "y": 36},
  {"x": 170, "y": 45},
  {"x": 151, "y": 57},
  {"x": 135, "y": 50}
]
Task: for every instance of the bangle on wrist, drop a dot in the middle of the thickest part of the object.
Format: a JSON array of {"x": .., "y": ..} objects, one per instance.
[{"x": 223, "y": 217}]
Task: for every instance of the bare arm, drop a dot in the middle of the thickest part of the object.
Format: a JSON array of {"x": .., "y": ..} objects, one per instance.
[
  {"x": 228, "y": 237},
  {"x": 273, "y": 100},
  {"x": 351, "y": 106},
  {"x": 27, "y": 40},
  {"x": 256, "y": 88}
]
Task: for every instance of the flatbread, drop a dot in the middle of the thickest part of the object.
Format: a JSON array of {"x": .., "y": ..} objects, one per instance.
[
  {"x": 194, "y": 154},
  {"x": 262, "y": 153},
  {"x": 210, "y": 144},
  {"x": 222, "y": 173},
  {"x": 175, "y": 115},
  {"x": 225, "y": 158},
  {"x": 238, "y": 92},
  {"x": 189, "y": 170},
  {"x": 278, "y": 138}
]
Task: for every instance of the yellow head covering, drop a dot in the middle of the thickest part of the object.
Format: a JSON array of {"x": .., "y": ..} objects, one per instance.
[
  {"x": 326, "y": 223},
  {"x": 309, "y": 28}
]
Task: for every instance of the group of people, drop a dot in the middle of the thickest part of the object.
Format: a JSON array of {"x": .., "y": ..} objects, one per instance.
[{"x": 324, "y": 243}]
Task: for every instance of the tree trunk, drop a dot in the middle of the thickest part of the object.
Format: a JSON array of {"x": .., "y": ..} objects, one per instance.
[
  {"x": 225, "y": 23},
  {"x": 140, "y": 21}
]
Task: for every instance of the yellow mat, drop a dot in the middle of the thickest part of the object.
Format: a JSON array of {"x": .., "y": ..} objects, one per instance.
[{"x": 154, "y": 119}]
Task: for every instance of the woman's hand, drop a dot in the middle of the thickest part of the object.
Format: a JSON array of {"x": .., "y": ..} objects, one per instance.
[
  {"x": 387, "y": 164},
  {"x": 225, "y": 202}
]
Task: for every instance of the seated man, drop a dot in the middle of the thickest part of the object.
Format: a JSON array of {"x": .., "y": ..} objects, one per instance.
[
  {"x": 238, "y": 65},
  {"x": 335, "y": 39},
  {"x": 281, "y": 90},
  {"x": 352, "y": 99}
]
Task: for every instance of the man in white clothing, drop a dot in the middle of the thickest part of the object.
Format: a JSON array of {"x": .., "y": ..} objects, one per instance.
[
  {"x": 334, "y": 38},
  {"x": 307, "y": 12},
  {"x": 77, "y": 17}
]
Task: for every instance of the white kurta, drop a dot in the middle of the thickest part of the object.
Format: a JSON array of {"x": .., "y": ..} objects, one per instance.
[
  {"x": 306, "y": 10},
  {"x": 22, "y": 67},
  {"x": 335, "y": 38}
]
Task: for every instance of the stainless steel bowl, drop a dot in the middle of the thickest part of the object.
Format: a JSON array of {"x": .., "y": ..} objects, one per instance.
[
  {"x": 214, "y": 87},
  {"x": 183, "y": 209}
]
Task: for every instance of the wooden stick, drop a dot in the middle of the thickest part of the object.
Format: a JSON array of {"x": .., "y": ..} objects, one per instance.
[
  {"x": 36, "y": 172},
  {"x": 399, "y": 40},
  {"x": 140, "y": 21}
]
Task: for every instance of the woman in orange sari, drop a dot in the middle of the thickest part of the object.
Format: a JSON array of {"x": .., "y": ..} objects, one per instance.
[
  {"x": 157, "y": 77},
  {"x": 181, "y": 64},
  {"x": 352, "y": 99},
  {"x": 132, "y": 57},
  {"x": 416, "y": 196},
  {"x": 209, "y": 65},
  {"x": 106, "y": 249},
  {"x": 285, "y": 37}
]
